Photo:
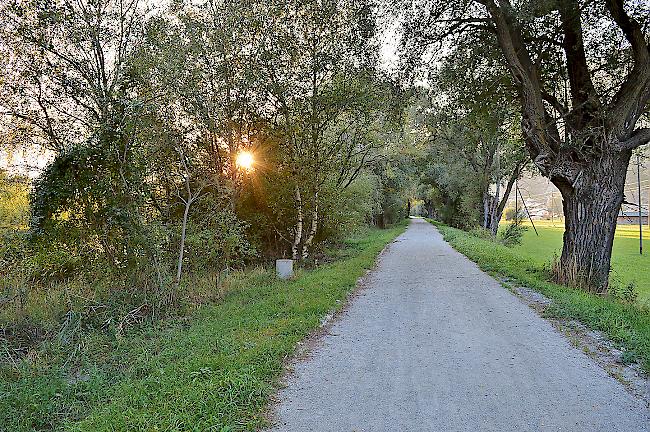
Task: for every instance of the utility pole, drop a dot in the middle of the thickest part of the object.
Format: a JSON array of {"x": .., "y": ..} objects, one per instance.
[
  {"x": 552, "y": 208},
  {"x": 527, "y": 212},
  {"x": 638, "y": 183},
  {"x": 516, "y": 203}
]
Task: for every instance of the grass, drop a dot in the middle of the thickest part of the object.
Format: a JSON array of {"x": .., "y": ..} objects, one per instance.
[
  {"x": 628, "y": 267},
  {"x": 628, "y": 325},
  {"x": 212, "y": 371}
]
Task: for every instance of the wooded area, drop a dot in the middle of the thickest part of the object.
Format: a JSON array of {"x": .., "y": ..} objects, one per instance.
[
  {"x": 143, "y": 112},
  {"x": 189, "y": 141}
]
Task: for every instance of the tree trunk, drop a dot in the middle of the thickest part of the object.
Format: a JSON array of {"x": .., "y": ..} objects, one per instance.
[
  {"x": 501, "y": 205},
  {"x": 181, "y": 250},
  {"x": 312, "y": 231},
  {"x": 486, "y": 209},
  {"x": 591, "y": 206},
  {"x": 298, "y": 234},
  {"x": 380, "y": 222},
  {"x": 429, "y": 206}
]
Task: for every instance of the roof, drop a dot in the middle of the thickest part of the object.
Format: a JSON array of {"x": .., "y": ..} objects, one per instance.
[{"x": 632, "y": 213}]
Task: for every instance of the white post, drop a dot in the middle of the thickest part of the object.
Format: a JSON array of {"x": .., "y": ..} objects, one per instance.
[{"x": 284, "y": 268}]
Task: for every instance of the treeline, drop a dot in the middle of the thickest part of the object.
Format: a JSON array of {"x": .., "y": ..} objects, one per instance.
[
  {"x": 145, "y": 113},
  {"x": 573, "y": 79}
]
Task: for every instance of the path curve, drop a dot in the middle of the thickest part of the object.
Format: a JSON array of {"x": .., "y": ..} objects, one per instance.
[{"x": 434, "y": 344}]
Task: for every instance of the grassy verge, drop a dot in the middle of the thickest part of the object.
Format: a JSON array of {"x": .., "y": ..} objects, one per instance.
[
  {"x": 626, "y": 324},
  {"x": 212, "y": 371},
  {"x": 628, "y": 266}
]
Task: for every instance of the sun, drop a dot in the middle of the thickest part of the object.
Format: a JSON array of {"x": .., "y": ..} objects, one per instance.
[{"x": 245, "y": 160}]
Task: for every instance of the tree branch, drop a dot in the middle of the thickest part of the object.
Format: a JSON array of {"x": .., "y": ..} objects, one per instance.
[
  {"x": 583, "y": 94},
  {"x": 555, "y": 103},
  {"x": 639, "y": 137},
  {"x": 634, "y": 93}
]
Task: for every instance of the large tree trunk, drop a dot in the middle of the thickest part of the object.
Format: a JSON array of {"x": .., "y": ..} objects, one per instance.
[
  {"x": 591, "y": 207},
  {"x": 589, "y": 166}
]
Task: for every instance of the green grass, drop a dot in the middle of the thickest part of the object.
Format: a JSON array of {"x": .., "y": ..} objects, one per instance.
[
  {"x": 212, "y": 371},
  {"x": 628, "y": 325},
  {"x": 627, "y": 265}
]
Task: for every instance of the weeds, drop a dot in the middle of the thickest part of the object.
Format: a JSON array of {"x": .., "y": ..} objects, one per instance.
[
  {"x": 513, "y": 234},
  {"x": 212, "y": 369}
]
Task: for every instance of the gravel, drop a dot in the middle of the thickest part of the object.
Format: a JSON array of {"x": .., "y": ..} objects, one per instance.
[{"x": 434, "y": 344}]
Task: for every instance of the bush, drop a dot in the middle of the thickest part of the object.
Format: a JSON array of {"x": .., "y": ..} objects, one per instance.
[
  {"x": 52, "y": 263},
  {"x": 218, "y": 242},
  {"x": 513, "y": 234},
  {"x": 14, "y": 203},
  {"x": 345, "y": 211}
]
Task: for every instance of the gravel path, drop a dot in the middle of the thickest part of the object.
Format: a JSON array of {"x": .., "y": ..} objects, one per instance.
[{"x": 434, "y": 344}]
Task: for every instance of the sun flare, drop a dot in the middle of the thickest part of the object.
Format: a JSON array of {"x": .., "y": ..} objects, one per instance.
[{"x": 245, "y": 160}]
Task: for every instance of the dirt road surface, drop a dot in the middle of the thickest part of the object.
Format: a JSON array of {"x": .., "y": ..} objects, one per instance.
[{"x": 434, "y": 344}]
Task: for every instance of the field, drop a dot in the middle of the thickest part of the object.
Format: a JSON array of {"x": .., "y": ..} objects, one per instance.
[
  {"x": 627, "y": 265},
  {"x": 214, "y": 370}
]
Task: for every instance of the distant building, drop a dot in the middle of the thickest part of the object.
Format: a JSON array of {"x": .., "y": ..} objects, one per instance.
[
  {"x": 537, "y": 210},
  {"x": 631, "y": 217}
]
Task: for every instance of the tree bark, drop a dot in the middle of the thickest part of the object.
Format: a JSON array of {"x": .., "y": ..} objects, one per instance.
[
  {"x": 312, "y": 231},
  {"x": 487, "y": 198},
  {"x": 589, "y": 166},
  {"x": 501, "y": 205},
  {"x": 181, "y": 250},
  {"x": 429, "y": 206},
  {"x": 298, "y": 233},
  {"x": 591, "y": 207}
]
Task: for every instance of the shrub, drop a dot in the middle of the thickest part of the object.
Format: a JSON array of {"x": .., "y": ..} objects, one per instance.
[
  {"x": 218, "y": 243},
  {"x": 513, "y": 234}
]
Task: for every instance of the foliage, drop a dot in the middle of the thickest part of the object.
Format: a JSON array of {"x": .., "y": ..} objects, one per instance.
[
  {"x": 474, "y": 150},
  {"x": 217, "y": 241},
  {"x": 513, "y": 234},
  {"x": 14, "y": 204},
  {"x": 220, "y": 365},
  {"x": 143, "y": 112},
  {"x": 625, "y": 293}
]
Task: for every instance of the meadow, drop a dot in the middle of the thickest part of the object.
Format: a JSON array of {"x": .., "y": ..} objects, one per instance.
[
  {"x": 628, "y": 266},
  {"x": 215, "y": 369}
]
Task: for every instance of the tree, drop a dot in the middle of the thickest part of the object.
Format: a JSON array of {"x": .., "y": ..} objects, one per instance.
[
  {"x": 580, "y": 138},
  {"x": 315, "y": 58},
  {"x": 71, "y": 81},
  {"x": 474, "y": 152}
]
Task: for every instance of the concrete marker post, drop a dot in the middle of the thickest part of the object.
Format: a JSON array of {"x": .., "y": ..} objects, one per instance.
[{"x": 284, "y": 268}]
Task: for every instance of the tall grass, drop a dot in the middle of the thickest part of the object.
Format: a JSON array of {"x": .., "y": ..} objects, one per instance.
[{"x": 214, "y": 369}]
